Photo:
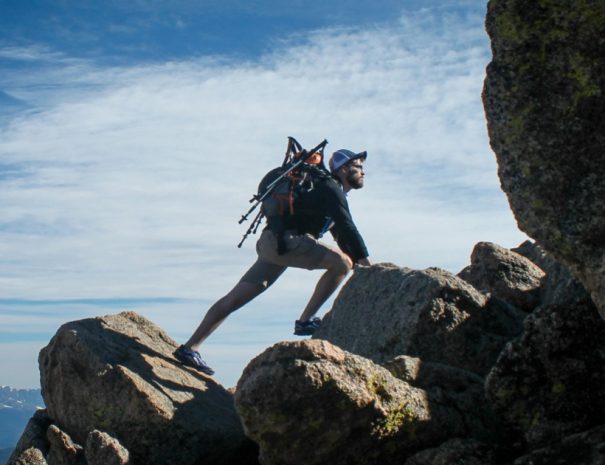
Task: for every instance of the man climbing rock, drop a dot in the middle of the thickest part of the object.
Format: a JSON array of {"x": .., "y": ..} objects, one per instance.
[{"x": 323, "y": 208}]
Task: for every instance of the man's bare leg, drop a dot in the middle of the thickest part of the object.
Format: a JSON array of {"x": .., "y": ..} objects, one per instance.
[
  {"x": 240, "y": 295},
  {"x": 338, "y": 266}
]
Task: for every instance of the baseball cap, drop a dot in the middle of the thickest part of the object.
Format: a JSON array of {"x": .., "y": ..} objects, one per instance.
[{"x": 343, "y": 156}]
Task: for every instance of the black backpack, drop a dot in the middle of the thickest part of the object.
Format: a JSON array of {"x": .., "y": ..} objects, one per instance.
[{"x": 282, "y": 186}]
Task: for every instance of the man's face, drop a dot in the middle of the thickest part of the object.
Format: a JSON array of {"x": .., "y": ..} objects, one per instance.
[{"x": 355, "y": 174}]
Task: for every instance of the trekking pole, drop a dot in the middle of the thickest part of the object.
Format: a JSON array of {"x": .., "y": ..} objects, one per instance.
[
  {"x": 292, "y": 148},
  {"x": 254, "y": 226},
  {"x": 319, "y": 147}
]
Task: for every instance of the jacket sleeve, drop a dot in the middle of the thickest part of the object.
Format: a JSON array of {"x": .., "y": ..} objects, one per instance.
[{"x": 344, "y": 230}]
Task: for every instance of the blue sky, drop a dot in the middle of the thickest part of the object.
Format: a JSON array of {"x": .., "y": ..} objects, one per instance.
[{"x": 132, "y": 135}]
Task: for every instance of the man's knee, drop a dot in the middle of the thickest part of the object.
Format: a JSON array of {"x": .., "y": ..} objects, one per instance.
[
  {"x": 348, "y": 262},
  {"x": 341, "y": 263}
]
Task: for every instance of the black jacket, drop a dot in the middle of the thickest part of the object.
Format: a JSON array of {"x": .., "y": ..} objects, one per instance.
[{"x": 327, "y": 204}]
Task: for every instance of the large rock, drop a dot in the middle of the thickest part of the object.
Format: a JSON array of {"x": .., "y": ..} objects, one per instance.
[
  {"x": 549, "y": 383},
  {"x": 504, "y": 274},
  {"x": 117, "y": 374},
  {"x": 384, "y": 311},
  {"x": 544, "y": 98},
  {"x": 309, "y": 402}
]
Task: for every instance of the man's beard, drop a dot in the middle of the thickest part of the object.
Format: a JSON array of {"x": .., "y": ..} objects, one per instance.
[{"x": 355, "y": 182}]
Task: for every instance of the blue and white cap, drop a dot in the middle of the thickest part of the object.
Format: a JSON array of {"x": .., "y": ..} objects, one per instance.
[{"x": 344, "y": 156}]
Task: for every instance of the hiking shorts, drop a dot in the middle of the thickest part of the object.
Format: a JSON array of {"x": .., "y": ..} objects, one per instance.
[{"x": 303, "y": 251}]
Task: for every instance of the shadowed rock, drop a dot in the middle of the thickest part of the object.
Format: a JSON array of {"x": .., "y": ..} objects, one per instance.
[
  {"x": 384, "y": 311},
  {"x": 544, "y": 98},
  {"x": 117, "y": 374},
  {"x": 558, "y": 286},
  {"x": 451, "y": 388},
  {"x": 586, "y": 448},
  {"x": 504, "y": 274},
  {"x": 456, "y": 451},
  {"x": 549, "y": 383}
]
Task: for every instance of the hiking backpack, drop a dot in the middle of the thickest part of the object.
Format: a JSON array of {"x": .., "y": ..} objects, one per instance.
[{"x": 282, "y": 186}]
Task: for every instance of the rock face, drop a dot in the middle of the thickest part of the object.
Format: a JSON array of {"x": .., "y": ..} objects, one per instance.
[
  {"x": 548, "y": 384},
  {"x": 506, "y": 275},
  {"x": 384, "y": 311},
  {"x": 544, "y": 98},
  {"x": 117, "y": 374},
  {"x": 355, "y": 411}
]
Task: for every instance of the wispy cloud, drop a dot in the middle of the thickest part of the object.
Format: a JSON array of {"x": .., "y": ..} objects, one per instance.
[
  {"x": 32, "y": 53},
  {"x": 131, "y": 180}
]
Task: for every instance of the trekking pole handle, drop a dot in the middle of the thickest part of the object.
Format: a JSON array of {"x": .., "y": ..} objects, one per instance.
[{"x": 320, "y": 146}]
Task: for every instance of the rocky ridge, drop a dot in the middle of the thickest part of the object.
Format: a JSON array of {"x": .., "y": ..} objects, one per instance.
[{"x": 459, "y": 376}]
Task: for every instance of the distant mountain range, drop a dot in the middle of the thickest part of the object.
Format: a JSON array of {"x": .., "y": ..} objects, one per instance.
[
  {"x": 21, "y": 399},
  {"x": 16, "y": 408}
]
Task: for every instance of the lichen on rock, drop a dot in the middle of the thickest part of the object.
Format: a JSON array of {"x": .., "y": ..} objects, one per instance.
[{"x": 544, "y": 98}]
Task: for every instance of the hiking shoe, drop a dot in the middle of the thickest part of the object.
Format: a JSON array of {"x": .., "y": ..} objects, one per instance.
[
  {"x": 191, "y": 358},
  {"x": 306, "y": 328}
]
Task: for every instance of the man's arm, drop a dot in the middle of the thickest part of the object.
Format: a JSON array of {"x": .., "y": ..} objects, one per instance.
[
  {"x": 345, "y": 232},
  {"x": 364, "y": 261}
]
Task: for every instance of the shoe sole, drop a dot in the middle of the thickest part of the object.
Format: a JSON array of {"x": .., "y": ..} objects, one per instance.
[
  {"x": 185, "y": 362},
  {"x": 303, "y": 333}
]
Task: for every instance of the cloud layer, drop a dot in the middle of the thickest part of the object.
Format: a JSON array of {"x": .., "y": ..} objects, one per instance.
[{"x": 128, "y": 182}]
